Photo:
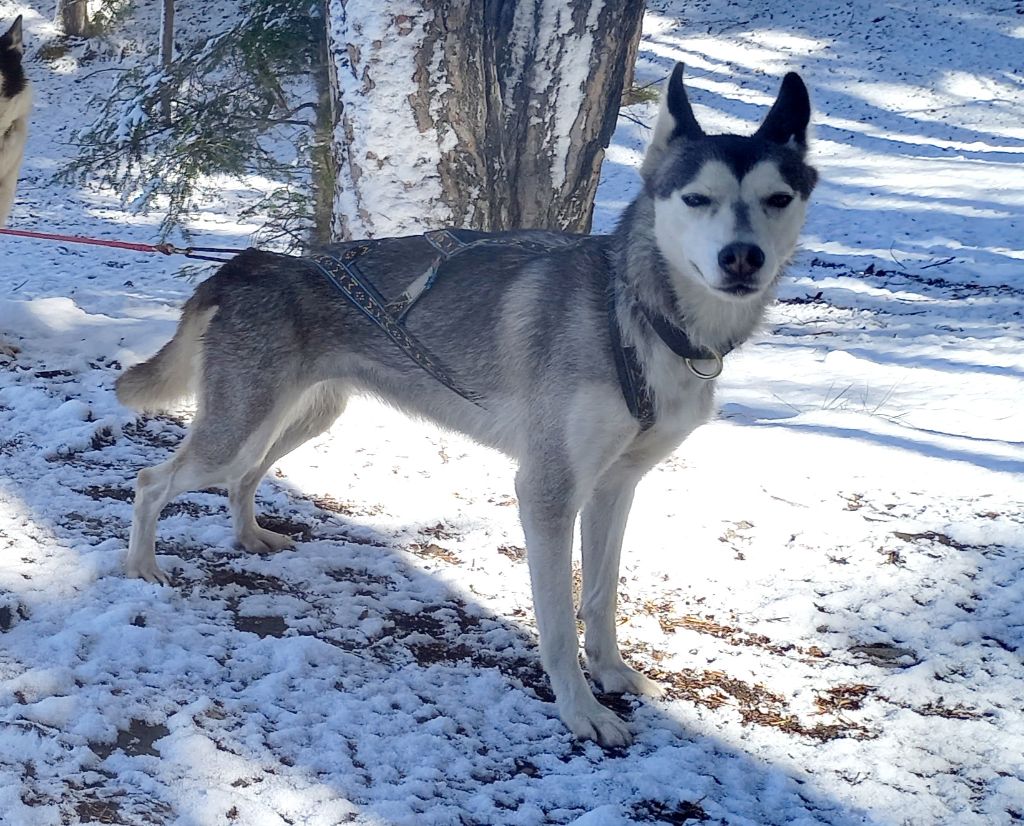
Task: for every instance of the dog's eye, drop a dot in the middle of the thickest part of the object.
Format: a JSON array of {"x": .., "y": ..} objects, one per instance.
[
  {"x": 695, "y": 199},
  {"x": 780, "y": 200}
]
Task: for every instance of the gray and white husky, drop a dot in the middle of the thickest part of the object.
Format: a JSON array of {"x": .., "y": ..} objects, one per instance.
[
  {"x": 15, "y": 103},
  {"x": 591, "y": 357}
]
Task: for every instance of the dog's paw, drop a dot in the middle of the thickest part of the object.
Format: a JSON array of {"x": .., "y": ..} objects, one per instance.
[
  {"x": 592, "y": 721},
  {"x": 621, "y": 679},
  {"x": 147, "y": 570},
  {"x": 259, "y": 540}
]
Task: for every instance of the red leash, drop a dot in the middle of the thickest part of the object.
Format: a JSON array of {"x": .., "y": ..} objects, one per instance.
[{"x": 165, "y": 249}]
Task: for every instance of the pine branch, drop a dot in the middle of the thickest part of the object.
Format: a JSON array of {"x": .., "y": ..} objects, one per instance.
[{"x": 215, "y": 110}]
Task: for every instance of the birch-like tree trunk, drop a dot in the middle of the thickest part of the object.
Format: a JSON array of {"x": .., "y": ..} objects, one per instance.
[
  {"x": 73, "y": 16},
  {"x": 492, "y": 114}
]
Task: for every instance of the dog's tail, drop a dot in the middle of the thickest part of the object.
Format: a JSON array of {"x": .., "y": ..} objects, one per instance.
[{"x": 171, "y": 374}]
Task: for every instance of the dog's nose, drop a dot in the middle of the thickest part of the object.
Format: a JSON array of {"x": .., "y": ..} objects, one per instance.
[{"x": 741, "y": 260}]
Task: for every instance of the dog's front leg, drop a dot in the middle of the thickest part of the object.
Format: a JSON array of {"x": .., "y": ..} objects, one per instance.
[
  {"x": 548, "y": 512},
  {"x": 603, "y": 526}
]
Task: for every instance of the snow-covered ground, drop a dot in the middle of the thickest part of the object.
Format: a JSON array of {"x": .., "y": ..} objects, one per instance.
[{"x": 829, "y": 577}]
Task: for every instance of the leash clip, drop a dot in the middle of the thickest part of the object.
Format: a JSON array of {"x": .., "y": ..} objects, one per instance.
[{"x": 715, "y": 371}]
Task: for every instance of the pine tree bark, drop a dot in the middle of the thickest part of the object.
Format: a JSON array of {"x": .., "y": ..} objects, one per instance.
[
  {"x": 324, "y": 158},
  {"x": 491, "y": 114},
  {"x": 166, "y": 55}
]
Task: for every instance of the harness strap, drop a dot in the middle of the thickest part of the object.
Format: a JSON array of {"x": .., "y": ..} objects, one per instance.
[
  {"x": 342, "y": 273},
  {"x": 448, "y": 245},
  {"x": 445, "y": 242},
  {"x": 637, "y": 393}
]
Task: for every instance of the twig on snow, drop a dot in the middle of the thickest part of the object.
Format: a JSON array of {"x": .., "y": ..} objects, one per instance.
[{"x": 941, "y": 263}]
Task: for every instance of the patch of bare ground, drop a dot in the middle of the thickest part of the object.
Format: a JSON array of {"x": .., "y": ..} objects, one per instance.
[
  {"x": 929, "y": 536},
  {"x": 431, "y": 550},
  {"x": 99, "y": 492},
  {"x": 756, "y": 704},
  {"x": 138, "y": 739},
  {"x": 670, "y": 622},
  {"x": 516, "y": 553},
  {"x": 447, "y": 633},
  {"x": 440, "y": 532},
  {"x": 939, "y": 709},
  {"x": 332, "y": 505},
  {"x": 655, "y": 811},
  {"x": 842, "y": 698},
  {"x": 158, "y": 435}
]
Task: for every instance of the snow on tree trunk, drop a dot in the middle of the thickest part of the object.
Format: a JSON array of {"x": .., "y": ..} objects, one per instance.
[
  {"x": 490, "y": 114},
  {"x": 387, "y": 166},
  {"x": 73, "y": 17}
]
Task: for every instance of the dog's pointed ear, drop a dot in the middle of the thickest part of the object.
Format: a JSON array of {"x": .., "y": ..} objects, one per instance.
[
  {"x": 675, "y": 120},
  {"x": 12, "y": 39},
  {"x": 677, "y": 104},
  {"x": 786, "y": 122}
]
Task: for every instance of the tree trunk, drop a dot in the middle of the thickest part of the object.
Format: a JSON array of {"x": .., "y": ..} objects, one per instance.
[
  {"x": 73, "y": 16},
  {"x": 166, "y": 56},
  {"x": 323, "y": 158},
  {"x": 491, "y": 114}
]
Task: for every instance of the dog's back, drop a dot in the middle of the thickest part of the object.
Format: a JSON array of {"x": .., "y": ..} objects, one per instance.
[{"x": 15, "y": 102}]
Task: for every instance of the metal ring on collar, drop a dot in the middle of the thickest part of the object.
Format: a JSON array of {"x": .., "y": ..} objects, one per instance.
[{"x": 715, "y": 372}]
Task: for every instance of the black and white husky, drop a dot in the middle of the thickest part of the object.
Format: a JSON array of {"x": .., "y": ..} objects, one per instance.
[
  {"x": 15, "y": 103},
  {"x": 589, "y": 359}
]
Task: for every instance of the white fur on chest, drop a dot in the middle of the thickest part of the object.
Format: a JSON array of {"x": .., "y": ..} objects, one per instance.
[{"x": 682, "y": 403}]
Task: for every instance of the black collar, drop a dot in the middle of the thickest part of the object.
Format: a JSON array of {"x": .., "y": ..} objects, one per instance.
[
  {"x": 677, "y": 340},
  {"x": 637, "y": 393}
]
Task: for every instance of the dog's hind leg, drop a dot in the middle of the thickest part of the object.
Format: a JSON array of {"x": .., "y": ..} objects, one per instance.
[
  {"x": 317, "y": 412},
  {"x": 154, "y": 488},
  {"x": 602, "y": 526},
  {"x": 248, "y": 532},
  {"x": 230, "y": 436},
  {"x": 548, "y": 510}
]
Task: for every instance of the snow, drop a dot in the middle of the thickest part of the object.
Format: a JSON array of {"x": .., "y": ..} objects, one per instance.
[{"x": 828, "y": 577}]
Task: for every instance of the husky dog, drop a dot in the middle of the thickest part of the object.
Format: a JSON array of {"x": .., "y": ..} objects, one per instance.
[
  {"x": 591, "y": 357},
  {"x": 15, "y": 102}
]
